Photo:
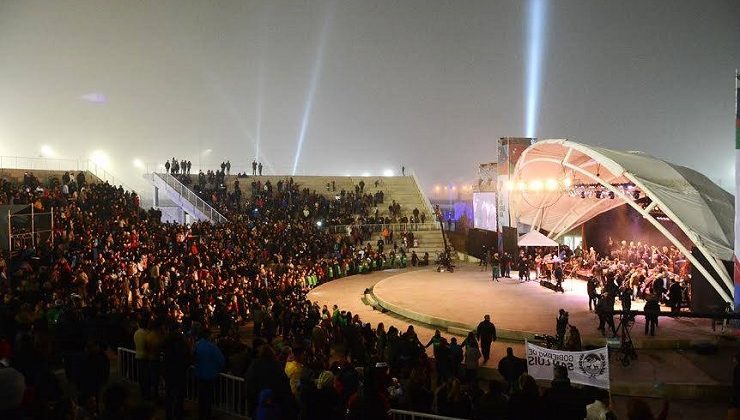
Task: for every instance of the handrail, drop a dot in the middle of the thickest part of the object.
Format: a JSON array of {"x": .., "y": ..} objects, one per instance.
[
  {"x": 228, "y": 393},
  {"x": 53, "y": 164},
  {"x": 413, "y": 415},
  {"x": 423, "y": 196},
  {"x": 413, "y": 227},
  {"x": 191, "y": 197}
]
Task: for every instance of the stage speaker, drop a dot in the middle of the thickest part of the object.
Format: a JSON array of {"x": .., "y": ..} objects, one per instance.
[
  {"x": 479, "y": 241},
  {"x": 703, "y": 296},
  {"x": 510, "y": 238}
]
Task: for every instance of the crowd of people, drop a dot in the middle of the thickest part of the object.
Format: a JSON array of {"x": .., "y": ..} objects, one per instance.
[
  {"x": 230, "y": 297},
  {"x": 113, "y": 269}
]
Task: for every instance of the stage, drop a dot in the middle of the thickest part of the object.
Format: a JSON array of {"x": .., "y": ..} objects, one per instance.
[{"x": 456, "y": 302}]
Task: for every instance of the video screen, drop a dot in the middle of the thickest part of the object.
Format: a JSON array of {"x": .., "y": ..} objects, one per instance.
[{"x": 484, "y": 211}]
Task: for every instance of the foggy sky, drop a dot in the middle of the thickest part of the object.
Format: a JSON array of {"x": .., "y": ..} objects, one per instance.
[{"x": 428, "y": 84}]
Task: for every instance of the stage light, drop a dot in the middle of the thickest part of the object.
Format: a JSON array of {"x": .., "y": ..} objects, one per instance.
[
  {"x": 100, "y": 158},
  {"x": 138, "y": 164},
  {"x": 319, "y": 223},
  {"x": 567, "y": 182},
  {"x": 365, "y": 174},
  {"x": 436, "y": 188},
  {"x": 313, "y": 84},
  {"x": 535, "y": 45},
  {"x": 611, "y": 195},
  {"x": 388, "y": 172},
  {"x": 47, "y": 151},
  {"x": 453, "y": 188},
  {"x": 535, "y": 185},
  {"x": 509, "y": 185},
  {"x": 521, "y": 185},
  {"x": 551, "y": 184},
  {"x": 598, "y": 193},
  {"x": 583, "y": 194},
  {"x": 636, "y": 195}
]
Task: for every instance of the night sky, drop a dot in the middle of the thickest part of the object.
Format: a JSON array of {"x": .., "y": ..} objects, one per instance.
[{"x": 366, "y": 85}]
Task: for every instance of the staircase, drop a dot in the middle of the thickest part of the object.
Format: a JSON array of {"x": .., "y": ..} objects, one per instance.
[
  {"x": 405, "y": 190},
  {"x": 183, "y": 198}
]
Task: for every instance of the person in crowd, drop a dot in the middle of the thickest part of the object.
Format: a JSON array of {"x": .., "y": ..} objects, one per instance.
[
  {"x": 176, "y": 361},
  {"x": 562, "y": 401},
  {"x": 506, "y": 265},
  {"x": 525, "y": 403},
  {"x": 456, "y": 356},
  {"x": 559, "y": 276},
  {"x": 675, "y": 295},
  {"x": 605, "y": 311},
  {"x": 652, "y": 311},
  {"x": 94, "y": 370},
  {"x": 492, "y": 404},
  {"x": 593, "y": 295},
  {"x": 600, "y": 409},
  {"x": 512, "y": 368},
  {"x": 472, "y": 356},
  {"x": 495, "y": 267},
  {"x": 142, "y": 357},
  {"x": 625, "y": 297},
  {"x": 209, "y": 361},
  {"x": 486, "y": 333},
  {"x": 561, "y": 326}
]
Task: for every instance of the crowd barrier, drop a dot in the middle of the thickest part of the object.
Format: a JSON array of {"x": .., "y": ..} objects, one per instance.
[
  {"x": 229, "y": 395},
  {"x": 413, "y": 415},
  {"x": 395, "y": 227}
]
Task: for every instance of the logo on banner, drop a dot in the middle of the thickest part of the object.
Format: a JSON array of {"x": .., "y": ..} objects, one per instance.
[{"x": 592, "y": 364}]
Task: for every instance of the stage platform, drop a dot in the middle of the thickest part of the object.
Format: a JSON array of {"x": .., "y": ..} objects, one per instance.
[{"x": 456, "y": 302}]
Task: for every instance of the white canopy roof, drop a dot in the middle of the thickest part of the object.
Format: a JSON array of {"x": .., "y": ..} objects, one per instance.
[
  {"x": 703, "y": 210},
  {"x": 535, "y": 238}
]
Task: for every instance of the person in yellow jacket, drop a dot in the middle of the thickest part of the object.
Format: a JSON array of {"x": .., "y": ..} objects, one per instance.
[{"x": 294, "y": 369}]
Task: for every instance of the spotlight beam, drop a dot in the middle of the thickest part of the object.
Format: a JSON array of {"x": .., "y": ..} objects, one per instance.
[
  {"x": 535, "y": 49},
  {"x": 313, "y": 84},
  {"x": 258, "y": 133}
]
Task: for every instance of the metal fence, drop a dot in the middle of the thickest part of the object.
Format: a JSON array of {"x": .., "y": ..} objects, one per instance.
[
  {"x": 51, "y": 164},
  {"x": 414, "y": 415},
  {"x": 395, "y": 227},
  {"x": 229, "y": 394}
]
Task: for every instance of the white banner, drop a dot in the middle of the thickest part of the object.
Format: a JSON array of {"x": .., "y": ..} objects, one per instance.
[{"x": 584, "y": 367}]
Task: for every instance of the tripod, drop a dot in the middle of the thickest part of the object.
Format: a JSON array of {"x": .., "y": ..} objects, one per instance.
[{"x": 626, "y": 322}]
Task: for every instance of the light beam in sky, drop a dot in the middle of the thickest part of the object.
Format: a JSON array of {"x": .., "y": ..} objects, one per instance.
[
  {"x": 260, "y": 87},
  {"x": 315, "y": 76},
  {"x": 535, "y": 27}
]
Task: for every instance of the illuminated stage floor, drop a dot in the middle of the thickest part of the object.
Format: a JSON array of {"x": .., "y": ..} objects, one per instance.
[
  {"x": 456, "y": 302},
  {"x": 460, "y": 299}
]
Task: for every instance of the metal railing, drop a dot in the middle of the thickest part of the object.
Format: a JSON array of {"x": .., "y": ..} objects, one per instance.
[
  {"x": 191, "y": 197},
  {"x": 424, "y": 199},
  {"x": 229, "y": 395},
  {"x": 51, "y": 164},
  {"x": 395, "y": 227},
  {"x": 415, "y": 415}
]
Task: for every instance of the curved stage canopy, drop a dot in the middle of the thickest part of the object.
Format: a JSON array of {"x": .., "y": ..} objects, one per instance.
[{"x": 559, "y": 184}]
